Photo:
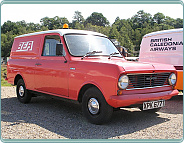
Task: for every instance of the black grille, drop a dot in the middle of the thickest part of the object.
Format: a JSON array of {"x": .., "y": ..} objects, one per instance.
[{"x": 147, "y": 80}]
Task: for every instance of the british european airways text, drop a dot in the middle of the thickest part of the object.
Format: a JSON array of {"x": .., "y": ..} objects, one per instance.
[{"x": 25, "y": 46}]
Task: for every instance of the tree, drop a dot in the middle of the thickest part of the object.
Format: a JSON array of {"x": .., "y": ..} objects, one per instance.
[
  {"x": 78, "y": 17},
  {"x": 31, "y": 27},
  {"x": 128, "y": 32},
  {"x": 3, "y": 44},
  {"x": 54, "y": 23},
  {"x": 178, "y": 23},
  {"x": 47, "y": 22},
  {"x": 113, "y": 34},
  {"x": 159, "y": 17},
  {"x": 9, "y": 26},
  {"x": 76, "y": 25},
  {"x": 125, "y": 41},
  {"x": 126, "y": 24},
  {"x": 137, "y": 39},
  {"x": 78, "y": 21},
  {"x": 97, "y": 19},
  {"x": 169, "y": 21},
  {"x": 6, "y": 43},
  {"x": 21, "y": 23},
  {"x": 140, "y": 18}
]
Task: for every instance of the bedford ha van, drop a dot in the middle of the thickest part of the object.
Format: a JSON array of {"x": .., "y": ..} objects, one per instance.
[
  {"x": 86, "y": 66},
  {"x": 164, "y": 47}
]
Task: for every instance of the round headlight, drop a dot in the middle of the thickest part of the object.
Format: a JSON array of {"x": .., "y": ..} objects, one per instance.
[
  {"x": 172, "y": 79},
  {"x": 123, "y": 82}
]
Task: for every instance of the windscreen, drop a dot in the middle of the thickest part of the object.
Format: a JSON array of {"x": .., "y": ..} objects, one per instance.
[{"x": 80, "y": 45}]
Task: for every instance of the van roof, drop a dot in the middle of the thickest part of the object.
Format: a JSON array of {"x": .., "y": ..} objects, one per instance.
[
  {"x": 163, "y": 32},
  {"x": 63, "y": 32}
]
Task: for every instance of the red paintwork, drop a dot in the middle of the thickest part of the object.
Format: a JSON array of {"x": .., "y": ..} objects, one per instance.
[{"x": 55, "y": 77}]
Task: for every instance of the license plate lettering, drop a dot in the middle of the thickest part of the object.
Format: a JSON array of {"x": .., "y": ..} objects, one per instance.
[{"x": 153, "y": 104}]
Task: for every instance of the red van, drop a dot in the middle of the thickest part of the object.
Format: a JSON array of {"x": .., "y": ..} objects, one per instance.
[{"x": 86, "y": 66}]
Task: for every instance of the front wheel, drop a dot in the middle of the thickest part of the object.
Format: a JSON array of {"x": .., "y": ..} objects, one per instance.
[
  {"x": 95, "y": 108},
  {"x": 22, "y": 94}
]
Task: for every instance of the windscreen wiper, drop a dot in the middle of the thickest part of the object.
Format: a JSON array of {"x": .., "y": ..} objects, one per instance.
[
  {"x": 90, "y": 53},
  {"x": 115, "y": 53}
]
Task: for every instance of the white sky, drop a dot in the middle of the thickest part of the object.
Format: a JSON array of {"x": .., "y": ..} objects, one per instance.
[{"x": 34, "y": 12}]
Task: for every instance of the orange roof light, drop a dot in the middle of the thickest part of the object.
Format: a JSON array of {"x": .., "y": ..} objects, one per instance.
[{"x": 65, "y": 26}]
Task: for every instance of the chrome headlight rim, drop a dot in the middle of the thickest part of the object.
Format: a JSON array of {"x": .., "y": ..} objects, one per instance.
[
  {"x": 172, "y": 79},
  {"x": 120, "y": 82}
]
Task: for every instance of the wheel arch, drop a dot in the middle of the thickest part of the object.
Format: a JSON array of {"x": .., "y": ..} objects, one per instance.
[
  {"x": 17, "y": 77},
  {"x": 86, "y": 87}
]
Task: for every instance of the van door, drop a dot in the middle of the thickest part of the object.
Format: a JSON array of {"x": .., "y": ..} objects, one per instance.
[{"x": 51, "y": 70}]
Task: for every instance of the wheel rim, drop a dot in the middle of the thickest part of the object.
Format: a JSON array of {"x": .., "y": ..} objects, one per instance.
[
  {"x": 21, "y": 91},
  {"x": 93, "y": 106}
]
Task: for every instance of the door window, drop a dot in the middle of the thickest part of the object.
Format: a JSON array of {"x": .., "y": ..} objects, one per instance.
[{"x": 49, "y": 48}]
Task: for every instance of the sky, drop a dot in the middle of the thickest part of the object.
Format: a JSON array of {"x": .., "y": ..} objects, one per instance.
[{"x": 34, "y": 12}]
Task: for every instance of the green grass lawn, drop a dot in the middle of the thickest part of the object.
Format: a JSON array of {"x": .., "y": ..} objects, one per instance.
[{"x": 3, "y": 75}]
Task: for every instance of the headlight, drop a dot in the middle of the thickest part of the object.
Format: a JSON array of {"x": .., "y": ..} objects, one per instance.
[
  {"x": 172, "y": 79},
  {"x": 123, "y": 82}
]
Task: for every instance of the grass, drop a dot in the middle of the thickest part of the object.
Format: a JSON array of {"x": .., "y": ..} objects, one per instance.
[{"x": 3, "y": 76}]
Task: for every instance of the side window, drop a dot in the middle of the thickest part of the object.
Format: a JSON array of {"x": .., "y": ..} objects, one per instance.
[{"x": 49, "y": 48}]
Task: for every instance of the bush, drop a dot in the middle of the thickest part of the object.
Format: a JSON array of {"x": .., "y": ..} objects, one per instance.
[{"x": 3, "y": 76}]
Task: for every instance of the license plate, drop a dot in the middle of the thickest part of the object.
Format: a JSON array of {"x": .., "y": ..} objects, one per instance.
[{"x": 153, "y": 104}]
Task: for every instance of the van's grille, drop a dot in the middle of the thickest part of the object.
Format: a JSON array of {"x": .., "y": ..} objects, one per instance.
[{"x": 147, "y": 80}]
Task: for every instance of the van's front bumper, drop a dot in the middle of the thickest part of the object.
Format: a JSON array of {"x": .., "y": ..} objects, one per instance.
[{"x": 133, "y": 99}]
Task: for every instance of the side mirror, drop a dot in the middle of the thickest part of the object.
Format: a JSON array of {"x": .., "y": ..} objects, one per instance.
[{"x": 59, "y": 49}]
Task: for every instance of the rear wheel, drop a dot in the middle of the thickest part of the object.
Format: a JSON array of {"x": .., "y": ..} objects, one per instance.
[
  {"x": 95, "y": 108},
  {"x": 22, "y": 94}
]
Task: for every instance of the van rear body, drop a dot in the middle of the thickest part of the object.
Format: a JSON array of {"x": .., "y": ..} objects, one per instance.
[{"x": 164, "y": 47}]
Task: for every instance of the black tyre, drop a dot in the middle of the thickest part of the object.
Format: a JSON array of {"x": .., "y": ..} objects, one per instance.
[
  {"x": 150, "y": 110},
  {"x": 95, "y": 108},
  {"x": 22, "y": 93}
]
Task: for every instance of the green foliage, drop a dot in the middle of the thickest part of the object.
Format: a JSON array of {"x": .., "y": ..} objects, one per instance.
[
  {"x": 78, "y": 17},
  {"x": 178, "y": 23},
  {"x": 140, "y": 18},
  {"x": 54, "y": 23},
  {"x": 6, "y": 43},
  {"x": 9, "y": 26},
  {"x": 159, "y": 17},
  {"x": 3, "y": 75},
  {"x": 128, "y": 32},
  {"x": 114, "y": 34},
  {"x": 97, "y": 19}
]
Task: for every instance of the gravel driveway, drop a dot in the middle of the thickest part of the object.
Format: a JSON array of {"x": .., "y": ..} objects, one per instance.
[{"x": 47, "y": 118}]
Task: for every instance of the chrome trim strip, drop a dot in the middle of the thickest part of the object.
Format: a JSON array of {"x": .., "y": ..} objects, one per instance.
[
  {"x": 147, "y": 87},
  {"x": 148, "y": 73}
]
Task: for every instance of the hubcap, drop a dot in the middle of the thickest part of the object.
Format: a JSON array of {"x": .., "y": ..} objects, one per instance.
[
  {"x": 21, "y": 91},
  {"x": 93, "y": 106}
]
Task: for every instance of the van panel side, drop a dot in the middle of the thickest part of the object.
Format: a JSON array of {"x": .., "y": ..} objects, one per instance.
[
  {"x": 26, "y": 46},
  {"x": 51, "y": 73},
  {"x": 163, "y": 48},
  {"x": 23, "y": 58}
]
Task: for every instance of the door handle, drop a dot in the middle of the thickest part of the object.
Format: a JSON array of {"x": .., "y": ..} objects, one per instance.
[{"x": 38, "y": 64}]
